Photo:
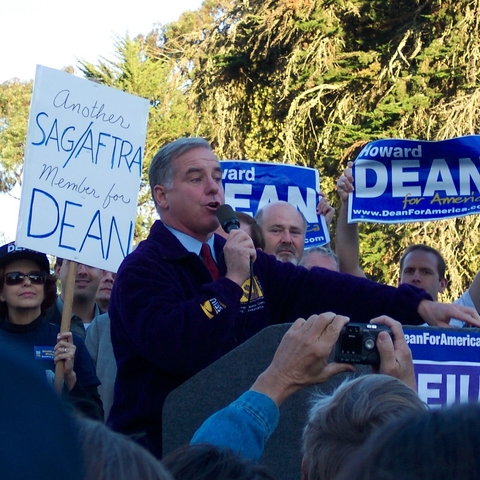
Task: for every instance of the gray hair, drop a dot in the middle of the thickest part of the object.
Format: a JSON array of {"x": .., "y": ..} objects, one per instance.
[
  {"x": 112, "y": 456},
  {"x": 324, "y": 251},
  {"x": 161, "y": 168},
  {"x": 339, "y": 424}
]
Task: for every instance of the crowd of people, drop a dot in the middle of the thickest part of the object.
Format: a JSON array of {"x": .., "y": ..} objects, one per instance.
[{"x": 190, "y": 293}]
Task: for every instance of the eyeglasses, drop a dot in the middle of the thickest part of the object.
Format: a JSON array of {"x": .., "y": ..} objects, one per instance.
[{"x": 16, "y": 278}]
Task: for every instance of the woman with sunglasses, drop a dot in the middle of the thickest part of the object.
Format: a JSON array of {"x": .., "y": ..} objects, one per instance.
[{"x": 27, "y": 290}]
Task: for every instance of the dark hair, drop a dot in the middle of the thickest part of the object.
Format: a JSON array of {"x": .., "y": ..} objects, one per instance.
[
  {"x": 161, "y": 169},
  {"x": 256, "y": 233},
  {"x": 339, "y": 424},
  {"x": 433, "y": 445},
  {"x": 50, "y": 291},
  {"x": 441, "y": 266},
  {"x": 207, "y": 462}
]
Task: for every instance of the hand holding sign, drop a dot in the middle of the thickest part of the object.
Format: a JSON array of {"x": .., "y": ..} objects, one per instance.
[
  {"x": 325, "y": 209},
  {"x": 345, "y": 183},
  {"x": 66, "y": 318}
]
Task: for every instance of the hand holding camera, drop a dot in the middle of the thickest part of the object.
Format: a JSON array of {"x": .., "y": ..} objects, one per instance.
[
  {"x": 358, "y": 343},
  {"x": 395, "y": 354},
  {"x": 381, "y": 343}
]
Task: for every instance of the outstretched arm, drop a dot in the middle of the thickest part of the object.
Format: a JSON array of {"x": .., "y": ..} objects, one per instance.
[
  {"x": 438, "y": 314},
  {"x": 347, "y": 244}
]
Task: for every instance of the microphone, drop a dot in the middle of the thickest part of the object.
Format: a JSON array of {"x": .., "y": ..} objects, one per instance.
[{"x": 227, "y": 218}]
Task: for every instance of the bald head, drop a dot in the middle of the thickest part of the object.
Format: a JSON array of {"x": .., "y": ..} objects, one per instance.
[{"x": 284, "y": 229}]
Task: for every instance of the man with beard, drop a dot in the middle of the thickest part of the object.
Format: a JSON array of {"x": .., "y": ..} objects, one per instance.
[{"x": 284, "y": 229}]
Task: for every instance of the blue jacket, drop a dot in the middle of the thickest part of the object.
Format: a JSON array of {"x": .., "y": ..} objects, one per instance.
[
  {"x": 244, "y": 426},
  {"x": 169, "y": 319}
]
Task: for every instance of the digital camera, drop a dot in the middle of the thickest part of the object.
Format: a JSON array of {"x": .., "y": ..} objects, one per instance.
[{"x": 358, "y": 343}]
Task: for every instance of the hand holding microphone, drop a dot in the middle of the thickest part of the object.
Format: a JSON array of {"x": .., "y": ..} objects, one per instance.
[{"x": 239, "y": 250}]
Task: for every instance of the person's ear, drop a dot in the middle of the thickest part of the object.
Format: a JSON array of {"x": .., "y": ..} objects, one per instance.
[
  {"x": 160, "y": 196},
  {"x": 443, "y": 285},
  {"x": 2, "y": 298},
  {"x": 56, "y": 270}
]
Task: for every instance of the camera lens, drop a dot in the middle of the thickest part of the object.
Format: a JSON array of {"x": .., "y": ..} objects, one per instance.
[{"x": 369, "y": 343}]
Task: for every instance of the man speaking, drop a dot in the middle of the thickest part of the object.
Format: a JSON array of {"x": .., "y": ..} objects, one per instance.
[{"x": 185, "y": 297}]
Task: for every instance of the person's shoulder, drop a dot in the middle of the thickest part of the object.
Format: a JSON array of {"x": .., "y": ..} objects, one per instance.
[
  {"x": 159, "y": 242},
  {"x": 465, "y": 300},
  {"x": 101, "y": 319},
  {"x": 99, "y": 324}
]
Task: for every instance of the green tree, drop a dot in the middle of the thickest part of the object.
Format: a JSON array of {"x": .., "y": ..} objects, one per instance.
[{"x": 14, "y": 105}]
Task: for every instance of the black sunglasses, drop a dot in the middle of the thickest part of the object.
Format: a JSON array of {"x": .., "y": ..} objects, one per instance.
[{"x": 16, "y": 278}]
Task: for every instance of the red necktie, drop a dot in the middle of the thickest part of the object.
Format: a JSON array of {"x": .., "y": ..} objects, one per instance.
[{"x": 209, "y": 261}]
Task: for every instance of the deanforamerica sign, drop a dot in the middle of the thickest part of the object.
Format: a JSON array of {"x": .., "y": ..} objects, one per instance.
[{"x": 400, "y": 181}]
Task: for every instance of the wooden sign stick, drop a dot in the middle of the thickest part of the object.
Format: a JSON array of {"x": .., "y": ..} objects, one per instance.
[{"x": 66, "y": 319}]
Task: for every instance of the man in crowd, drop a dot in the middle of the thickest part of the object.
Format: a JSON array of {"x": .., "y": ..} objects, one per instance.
[
  {"x": 284, "y": 228},
  {"x": 421, "y": 266},
  {"x": 173, "y": 311},
  {"x": 320, "y": 257},
  {"x": 104, "y": 290},
  {"x": 84, "y": 308}
]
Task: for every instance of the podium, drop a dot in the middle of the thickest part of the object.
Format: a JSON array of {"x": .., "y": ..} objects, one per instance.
[{"x": 221, "y": 383}]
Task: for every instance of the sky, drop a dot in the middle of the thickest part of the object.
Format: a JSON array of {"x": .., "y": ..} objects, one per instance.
[{"x": 56, "y": 34}]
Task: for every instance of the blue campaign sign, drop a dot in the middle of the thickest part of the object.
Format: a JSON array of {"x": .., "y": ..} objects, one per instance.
[
  {"x": 250, "y": 186},
  {"x": 447, "y": 364},
  {"x": 400, "y": 181}
]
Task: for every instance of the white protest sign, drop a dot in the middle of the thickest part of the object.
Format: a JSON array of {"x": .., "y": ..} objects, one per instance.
[{"x": 83, "y": 164}]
